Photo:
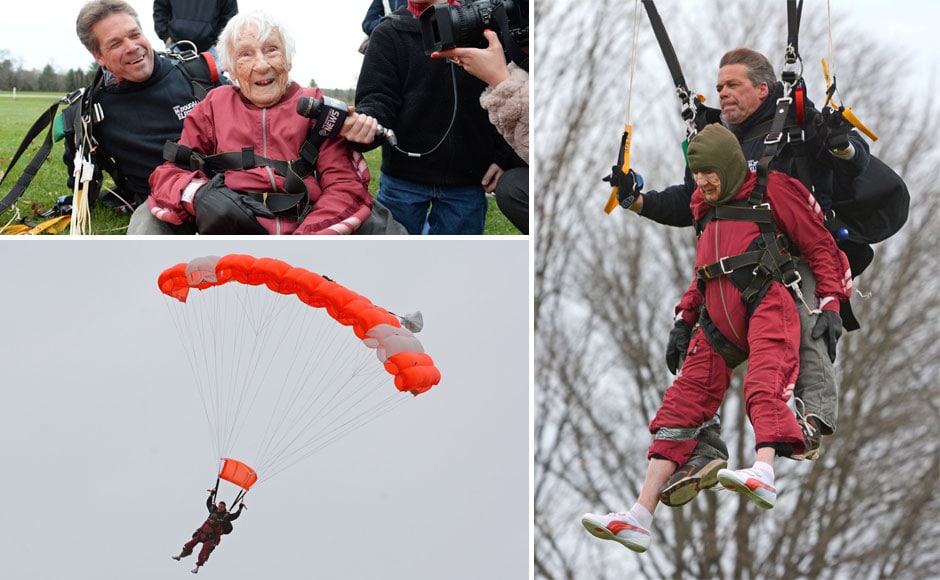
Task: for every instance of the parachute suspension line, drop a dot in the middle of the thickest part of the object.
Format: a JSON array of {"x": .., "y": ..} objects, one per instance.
[
  {"x": 287, "y": 370},
  {"x": 623, "y": 158},
  {"x": 832, "y": 60},
  {"x": 322, "y": 414},
  {"x": 636, "y": 35},
  {"x": 320, "y": 387},
  {"x": 83, "y": 173},
  {"x": 191, "y": 335},
  {"x": 829, "y": 71}
]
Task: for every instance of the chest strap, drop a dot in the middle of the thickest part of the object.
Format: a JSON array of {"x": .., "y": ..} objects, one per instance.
[
  {"x": 766, "y": 259},
  {"x": 295, "y": 194}
]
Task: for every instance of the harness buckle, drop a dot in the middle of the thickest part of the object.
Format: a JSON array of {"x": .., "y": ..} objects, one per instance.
[
  {"x": 795, "y": 283},
  {"x": 724, "y": 269},
  {"x": 73, "y": 97},
  {"x": 764, "y": 205}
]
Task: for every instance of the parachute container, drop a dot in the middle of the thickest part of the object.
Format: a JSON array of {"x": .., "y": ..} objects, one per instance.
[{"x": 238, "y": 473}]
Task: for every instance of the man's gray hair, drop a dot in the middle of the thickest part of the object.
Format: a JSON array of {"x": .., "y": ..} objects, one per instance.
[
  {"x": 759, "y": 69},
  {"x": 95, "y": 11},
  {"x": 265, "y": 24}
]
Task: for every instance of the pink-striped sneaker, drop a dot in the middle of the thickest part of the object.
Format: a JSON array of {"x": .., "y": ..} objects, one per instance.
[
  {"x": 620, "y": 528},
  {"x": 751, "y": 484}
]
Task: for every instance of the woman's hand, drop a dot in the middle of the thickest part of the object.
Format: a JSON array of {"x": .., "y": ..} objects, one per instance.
[{"x": 487, "y": 64}]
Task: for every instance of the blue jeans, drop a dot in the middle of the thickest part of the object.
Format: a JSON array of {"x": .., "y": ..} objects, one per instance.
[{"x": 454, "y": 209}]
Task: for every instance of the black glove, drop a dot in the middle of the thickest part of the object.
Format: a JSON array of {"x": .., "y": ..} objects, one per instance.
[
  {"x": 833, "y": 129},
  {"x": 628, "y": 185},
  {"x": 828, "y": 326},
  {"x": 678, "y": 345},
  {"x": 219, "y": 210}
]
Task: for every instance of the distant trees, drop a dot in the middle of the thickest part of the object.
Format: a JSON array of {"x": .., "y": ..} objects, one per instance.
[
  {"x": 605, "y": 287},
  {"x": 13, "y": 75}
]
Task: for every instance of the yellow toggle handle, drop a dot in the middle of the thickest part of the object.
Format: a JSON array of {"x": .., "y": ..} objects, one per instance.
[
  {"x": 612, "y": 201},
  {"x": 849, "y": 116},
  {"x": 847, "y": 113}
]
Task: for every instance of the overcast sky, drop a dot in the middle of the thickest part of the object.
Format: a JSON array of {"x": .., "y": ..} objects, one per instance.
[
  {"x": 106, "y": 457},
  {"x": 328, "y": 34}
]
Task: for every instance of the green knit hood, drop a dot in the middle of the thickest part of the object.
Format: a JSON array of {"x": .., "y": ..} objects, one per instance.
[{"x": 715, "y": 148}]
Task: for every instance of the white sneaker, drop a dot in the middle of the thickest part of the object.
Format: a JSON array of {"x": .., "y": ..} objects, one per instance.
[
  {"x": 620, "y": 528},
  {"x": 751, "y": 484},
  {"x": 195, "y": 570}
]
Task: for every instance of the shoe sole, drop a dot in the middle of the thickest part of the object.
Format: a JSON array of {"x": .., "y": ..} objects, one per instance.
[
  {"x": 731, "y": 481},
  {"x": 812, "y": 455},
  {"x": 685, "y": 490},
  {"x": 599, "y": 530}
]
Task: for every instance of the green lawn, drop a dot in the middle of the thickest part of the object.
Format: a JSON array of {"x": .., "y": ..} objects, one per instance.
[{"x": 18, "y": 115}]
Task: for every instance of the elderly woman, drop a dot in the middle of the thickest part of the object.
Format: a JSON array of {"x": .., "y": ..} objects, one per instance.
[{"x": 248, "y": 163}]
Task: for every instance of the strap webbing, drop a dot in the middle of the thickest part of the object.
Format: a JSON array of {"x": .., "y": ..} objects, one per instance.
[{"x": 43, "y": 122}]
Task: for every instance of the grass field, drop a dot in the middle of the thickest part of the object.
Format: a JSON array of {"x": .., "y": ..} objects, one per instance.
[{"x": 18, "y": 115}]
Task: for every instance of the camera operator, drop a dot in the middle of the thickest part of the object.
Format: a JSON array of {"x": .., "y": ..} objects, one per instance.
[
  {"x": 447, "y": 153},
  {"x": 506, "y": 99}
]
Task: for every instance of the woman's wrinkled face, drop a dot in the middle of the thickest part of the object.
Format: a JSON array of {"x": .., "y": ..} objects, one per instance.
[
  {"x": 709, "y": 183},
  {"x": 260, "y": 67}
]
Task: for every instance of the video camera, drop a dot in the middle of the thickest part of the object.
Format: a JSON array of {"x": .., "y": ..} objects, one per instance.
[{"x": 444, "y": 26}]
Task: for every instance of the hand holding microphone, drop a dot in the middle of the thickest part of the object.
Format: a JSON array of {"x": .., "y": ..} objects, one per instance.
[{"x": 334, "y": 118}]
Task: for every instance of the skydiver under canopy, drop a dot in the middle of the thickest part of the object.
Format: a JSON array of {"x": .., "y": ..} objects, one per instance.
[{"x": 210, "y": 532}]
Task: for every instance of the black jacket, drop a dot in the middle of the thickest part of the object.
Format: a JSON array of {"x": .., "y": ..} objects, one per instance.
[
  {"x": 413, "y": 94},
  {"x": 138, "y": 119},
  {"x": 671, "y": 205},
  {"x": 199, "y": 21}
]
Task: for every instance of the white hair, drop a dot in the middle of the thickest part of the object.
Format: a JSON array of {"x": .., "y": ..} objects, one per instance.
[{"x": 265, "y": 24}]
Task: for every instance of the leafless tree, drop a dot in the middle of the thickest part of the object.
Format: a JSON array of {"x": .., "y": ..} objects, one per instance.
[{"x": 605, "y": 287}]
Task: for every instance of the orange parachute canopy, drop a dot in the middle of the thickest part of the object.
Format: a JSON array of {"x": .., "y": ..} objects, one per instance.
[
  {"x": 396, "y": 347},
  {"x": 236, "y": 472}
]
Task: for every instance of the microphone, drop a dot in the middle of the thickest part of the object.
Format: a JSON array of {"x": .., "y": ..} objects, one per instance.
[{"x": 329, "y": 114}]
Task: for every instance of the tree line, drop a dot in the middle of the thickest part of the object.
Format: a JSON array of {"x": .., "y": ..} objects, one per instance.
[
  {"x": 603, "y": 306},
  {"x": 14, "y": 76}
]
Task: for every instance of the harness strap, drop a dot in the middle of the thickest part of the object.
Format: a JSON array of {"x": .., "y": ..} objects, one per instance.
[
  {"x": 295, "y": 192},
  {"x": 684, "y": 433},
  {"x": 46, "y": 120},
  {"x": 672, "y": 61}
]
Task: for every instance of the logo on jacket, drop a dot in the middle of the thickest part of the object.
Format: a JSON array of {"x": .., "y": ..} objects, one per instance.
[{"x": 183, "y": 110}]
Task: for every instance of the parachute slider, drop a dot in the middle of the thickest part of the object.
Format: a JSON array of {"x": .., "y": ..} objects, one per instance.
[{"x": 238, "y": 473}]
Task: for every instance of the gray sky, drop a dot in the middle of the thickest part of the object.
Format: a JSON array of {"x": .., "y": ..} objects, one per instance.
[
  {"x": 105, "y": 452},
  {"x": 328, "y": 34}
]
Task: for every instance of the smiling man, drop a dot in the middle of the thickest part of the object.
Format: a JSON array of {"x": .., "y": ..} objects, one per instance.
[{"x": 142, "y": 99}]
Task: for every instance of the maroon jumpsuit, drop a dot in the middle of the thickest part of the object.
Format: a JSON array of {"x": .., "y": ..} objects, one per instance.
[
  {"x": 770, "y": 336},
  {"x": 209, "y": 533}
]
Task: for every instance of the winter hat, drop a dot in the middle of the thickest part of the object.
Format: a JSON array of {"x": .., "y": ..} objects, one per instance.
[{"x": 715, "y": 148}]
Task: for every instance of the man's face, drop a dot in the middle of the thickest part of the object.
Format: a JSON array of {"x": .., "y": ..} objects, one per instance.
[
  {"x": 709, "y": 183},
  {"x": 221, "y": 506},
  {"x": 125, "y": 50},
  {"x": 737, "y": 97}
]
